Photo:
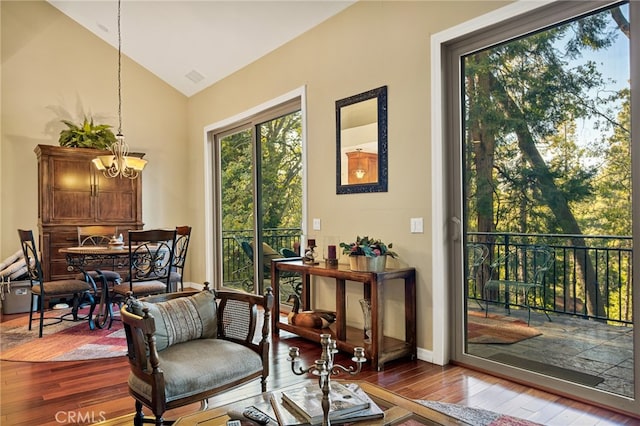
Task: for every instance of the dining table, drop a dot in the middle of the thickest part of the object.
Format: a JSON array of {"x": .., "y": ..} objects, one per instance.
[{"x": 85, "y": 258}]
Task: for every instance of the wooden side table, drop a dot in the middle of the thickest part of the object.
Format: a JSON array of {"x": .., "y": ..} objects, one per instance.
[{"x": 382, "y": 348}]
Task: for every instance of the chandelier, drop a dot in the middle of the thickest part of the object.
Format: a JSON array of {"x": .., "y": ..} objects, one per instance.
[{"x": 119, "y": 163}]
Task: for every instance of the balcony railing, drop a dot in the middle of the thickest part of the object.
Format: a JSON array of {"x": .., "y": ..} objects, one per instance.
[
  {"x": 591, "y": 275},
  {"x": 237, "y": 266},
  {"x": 601, "y": 261}
]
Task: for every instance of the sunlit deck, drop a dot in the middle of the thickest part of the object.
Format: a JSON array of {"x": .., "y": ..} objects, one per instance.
[{"x": 572, "y": 343}]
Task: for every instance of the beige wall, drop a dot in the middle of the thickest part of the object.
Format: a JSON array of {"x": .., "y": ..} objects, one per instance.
[
  {"x": 51, "y": 65},
  {"x": 370, "y": 44},
  {"x": 53, "y": 68}
]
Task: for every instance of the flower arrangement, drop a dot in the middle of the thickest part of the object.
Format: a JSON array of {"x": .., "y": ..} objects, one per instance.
[{"x": 370, "y": 247}]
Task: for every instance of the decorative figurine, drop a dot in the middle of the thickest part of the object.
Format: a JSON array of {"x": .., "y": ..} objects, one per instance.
[
  {"x": 311, "y": 319},
  {"x": 309, "y": 254}
]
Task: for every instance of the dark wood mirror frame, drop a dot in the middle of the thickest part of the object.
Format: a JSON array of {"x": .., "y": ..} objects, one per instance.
[{"x": 380, "y": 94}]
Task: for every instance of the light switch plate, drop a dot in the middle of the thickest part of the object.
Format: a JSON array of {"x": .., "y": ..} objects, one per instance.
[
  {"x": 417, "y": 226},
  {"x": 316, "y": 224}
]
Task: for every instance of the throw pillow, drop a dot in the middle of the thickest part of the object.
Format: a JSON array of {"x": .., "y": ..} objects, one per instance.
[{"x": 182, "y": 319}]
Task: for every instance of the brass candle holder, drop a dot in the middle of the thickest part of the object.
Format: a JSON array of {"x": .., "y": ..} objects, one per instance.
[{"x": 324, "y": 368}]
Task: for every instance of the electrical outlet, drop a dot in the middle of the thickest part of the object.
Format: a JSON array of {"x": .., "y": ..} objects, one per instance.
[{"x": 316, "y": 224}]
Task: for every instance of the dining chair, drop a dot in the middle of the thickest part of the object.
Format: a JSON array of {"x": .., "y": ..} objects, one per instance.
[
  {"x": 78, "y": 290},
  {"x": 96, "y": 235},
  {"x": 105, "y": 279},
  {"x": 150, "y": 261},
  {"x": 183, "y": 235}
]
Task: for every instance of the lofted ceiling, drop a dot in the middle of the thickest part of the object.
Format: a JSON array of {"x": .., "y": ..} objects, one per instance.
[{"x": 192, "y": 44}]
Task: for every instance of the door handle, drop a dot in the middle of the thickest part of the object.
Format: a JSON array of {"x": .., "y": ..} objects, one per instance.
[{"x": 456, "y": 232}]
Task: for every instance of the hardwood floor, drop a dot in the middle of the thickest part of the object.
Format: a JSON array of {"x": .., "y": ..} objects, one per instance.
[{"x": 87, "y": 392}]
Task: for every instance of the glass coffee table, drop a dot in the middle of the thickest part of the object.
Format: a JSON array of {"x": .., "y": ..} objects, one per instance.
[{"x": 398, "y": 410}]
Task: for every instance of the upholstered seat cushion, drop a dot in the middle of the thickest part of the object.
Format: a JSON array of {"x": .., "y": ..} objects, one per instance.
[
  {"x": 141, "y": 288},
  {"x": 194, "y": 365},
  {"x": 62, "y": 287}
]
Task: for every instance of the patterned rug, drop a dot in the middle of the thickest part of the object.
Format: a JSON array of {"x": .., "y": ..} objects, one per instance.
[
  {"x": 65, "y": 341},
  {"x": 497, "y": 329},
  {"x": 476, "y": 416}
]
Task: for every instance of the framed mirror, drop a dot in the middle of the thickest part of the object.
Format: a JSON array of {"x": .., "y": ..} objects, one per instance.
[{"x": 361, "y": 142}]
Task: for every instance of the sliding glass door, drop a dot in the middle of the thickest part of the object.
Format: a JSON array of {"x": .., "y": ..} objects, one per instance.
[
  {"x": 260, "y": 195},
  {"x": 543, "y": 161}
]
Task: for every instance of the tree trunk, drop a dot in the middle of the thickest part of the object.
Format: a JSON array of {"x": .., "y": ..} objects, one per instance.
[{"x": 557, "y": 202}]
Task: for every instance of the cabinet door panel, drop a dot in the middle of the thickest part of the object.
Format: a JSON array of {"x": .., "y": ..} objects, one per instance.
[
  {"x": 71, "y": 175},
  {"x": 71, "y": 206},
  {"x": 115, "y": 206},
  {"x": 71, "y": 185}
]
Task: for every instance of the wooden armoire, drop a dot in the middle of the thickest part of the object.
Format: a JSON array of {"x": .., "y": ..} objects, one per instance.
[
  {"x": 71, "y": 193},
  {"x": 365, "y": 163}
]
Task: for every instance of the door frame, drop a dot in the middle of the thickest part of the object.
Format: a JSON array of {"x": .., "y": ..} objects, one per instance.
[
  {"x": 212, "y": 231},
  {"x": 447, "y": 249}
]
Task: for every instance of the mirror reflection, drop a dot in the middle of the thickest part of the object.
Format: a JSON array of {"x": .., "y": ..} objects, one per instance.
[{"x": 361, "y": 142}]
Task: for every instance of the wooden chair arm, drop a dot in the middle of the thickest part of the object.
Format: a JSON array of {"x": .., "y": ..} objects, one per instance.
[{"x": 141, "y": 346}]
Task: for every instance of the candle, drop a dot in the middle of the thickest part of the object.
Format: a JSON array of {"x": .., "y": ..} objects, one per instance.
[{"x": 331, "y": 252}]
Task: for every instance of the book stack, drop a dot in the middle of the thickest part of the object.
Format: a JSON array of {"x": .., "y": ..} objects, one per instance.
[{"x": 303, "y": 406}]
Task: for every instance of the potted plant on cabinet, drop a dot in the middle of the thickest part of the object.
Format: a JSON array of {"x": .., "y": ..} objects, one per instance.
[{"x": 87, "y": 135}]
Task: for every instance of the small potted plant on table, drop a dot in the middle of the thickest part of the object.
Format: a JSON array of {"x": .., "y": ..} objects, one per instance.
[{"x": 368, "y": 254}]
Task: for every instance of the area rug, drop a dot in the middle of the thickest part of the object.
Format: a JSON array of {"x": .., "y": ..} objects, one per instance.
[
  {"x": 476, "y": 416},
  {"x": 497, "y": 329},
  {"x": 65, "y": 341},
  {"x": 548, "y": 369}
]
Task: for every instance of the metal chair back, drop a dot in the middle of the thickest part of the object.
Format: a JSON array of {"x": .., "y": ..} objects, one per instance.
[
  {"x": 96, "y": 235},
  {"x": 151, "y": 255}
]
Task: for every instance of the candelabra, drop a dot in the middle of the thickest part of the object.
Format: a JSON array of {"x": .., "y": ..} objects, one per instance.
[{"x": 324, "y": 368}]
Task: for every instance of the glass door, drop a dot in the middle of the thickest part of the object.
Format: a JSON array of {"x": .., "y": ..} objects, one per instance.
[
  {"x": 260, "y": 198},
  {"x": 546, "y": 202}
]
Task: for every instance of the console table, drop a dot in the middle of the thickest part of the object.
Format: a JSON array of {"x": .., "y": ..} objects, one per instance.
[{"x": 382, "y": 348}]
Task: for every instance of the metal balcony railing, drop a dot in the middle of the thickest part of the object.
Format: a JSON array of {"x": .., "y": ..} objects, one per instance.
[
  {"x": 237, "y": 266},
  {"x": 591, "y": 275}
]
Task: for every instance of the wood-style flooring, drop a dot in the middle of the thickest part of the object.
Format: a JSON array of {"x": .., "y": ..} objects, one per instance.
[{"x": 87, "y": 392}]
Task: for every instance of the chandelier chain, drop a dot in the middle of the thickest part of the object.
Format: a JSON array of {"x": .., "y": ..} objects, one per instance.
[
  {"x": 119, "y": 163},
  {"x": 119, "y": 73}
]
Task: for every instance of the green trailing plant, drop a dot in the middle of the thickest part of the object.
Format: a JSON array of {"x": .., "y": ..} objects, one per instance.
[{"x": 87, "y": 135}]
